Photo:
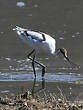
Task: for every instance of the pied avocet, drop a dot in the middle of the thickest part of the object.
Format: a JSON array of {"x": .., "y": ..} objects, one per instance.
[{"x": 40, "y": 40}]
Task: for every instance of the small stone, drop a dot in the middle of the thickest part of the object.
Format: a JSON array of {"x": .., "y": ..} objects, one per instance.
[
  {"x": 60, "y": 100},
  {"x": 20, "y": 4}
]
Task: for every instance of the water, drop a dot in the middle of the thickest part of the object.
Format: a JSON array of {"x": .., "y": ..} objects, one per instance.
[
  {"x": 21, "y": 70},
  {"x": 60, "y": 19}
]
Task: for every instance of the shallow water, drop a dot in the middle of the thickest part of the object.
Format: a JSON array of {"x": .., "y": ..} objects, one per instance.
[
  {"x": 63, "y": 20},
  {"x": 21, "y": 70},
  {"x": 20, "y": 76}
]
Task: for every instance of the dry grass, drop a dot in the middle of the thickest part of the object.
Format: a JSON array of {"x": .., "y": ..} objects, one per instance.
[{"x": 25, "y": 101}]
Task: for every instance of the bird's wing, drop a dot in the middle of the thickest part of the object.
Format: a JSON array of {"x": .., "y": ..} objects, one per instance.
[
  {"x": 38, "y": 36},
  {"x": 33, "y": 35}
]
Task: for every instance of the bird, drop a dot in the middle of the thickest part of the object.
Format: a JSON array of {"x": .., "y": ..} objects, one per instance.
[{"x": 40, "y": 40}]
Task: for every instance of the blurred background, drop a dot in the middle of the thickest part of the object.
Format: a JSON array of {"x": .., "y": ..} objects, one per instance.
[{"x": 63, "y": 20}]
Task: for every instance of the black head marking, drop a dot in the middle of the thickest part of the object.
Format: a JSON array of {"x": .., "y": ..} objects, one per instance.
[{"x": 63, "y": 51}]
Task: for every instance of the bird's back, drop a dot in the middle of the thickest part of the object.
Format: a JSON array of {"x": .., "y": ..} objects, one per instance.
[{"x": 37, "y": 40}]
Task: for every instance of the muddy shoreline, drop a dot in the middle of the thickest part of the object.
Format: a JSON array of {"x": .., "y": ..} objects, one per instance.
[
  {"x": 50, "y": 101},
  {"x": 71, "y": 91}
]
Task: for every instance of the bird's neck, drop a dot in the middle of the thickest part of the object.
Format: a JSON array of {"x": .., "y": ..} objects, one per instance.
[{"x": 57, "y": 51}]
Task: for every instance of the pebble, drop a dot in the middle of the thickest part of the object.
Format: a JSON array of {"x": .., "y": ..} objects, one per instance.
[
  {"x": 20, "y": 4},
  {"x": 61, "y": 38}
]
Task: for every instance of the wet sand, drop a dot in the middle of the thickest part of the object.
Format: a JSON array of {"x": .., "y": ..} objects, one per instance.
[{"x": 70, "y": 91}]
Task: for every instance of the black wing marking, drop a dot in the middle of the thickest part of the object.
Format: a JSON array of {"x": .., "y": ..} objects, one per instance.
[
  {"x": 44, "y": 39},
  {"x": 26, "y": 33},
  {"x": 36, "y": 38}
]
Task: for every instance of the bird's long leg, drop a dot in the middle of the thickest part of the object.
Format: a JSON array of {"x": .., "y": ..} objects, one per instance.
[
  {"x": 34, "y": 61},
  {"x": 33, "y": 65},
  {"x": 43, "y": 70}
]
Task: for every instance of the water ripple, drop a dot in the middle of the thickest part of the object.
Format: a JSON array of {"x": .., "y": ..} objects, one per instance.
[
  {"x": 17, "y": 70},
  {"x": 49, "y": 77}
]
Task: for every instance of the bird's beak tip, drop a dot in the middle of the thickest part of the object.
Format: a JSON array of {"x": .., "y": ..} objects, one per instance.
[{"x": 73, "y": 64}]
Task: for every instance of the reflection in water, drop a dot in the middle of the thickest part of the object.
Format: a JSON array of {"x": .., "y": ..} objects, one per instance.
[
  {"x": 62, "y": 90},
  {"x": 40, "y": 89}
]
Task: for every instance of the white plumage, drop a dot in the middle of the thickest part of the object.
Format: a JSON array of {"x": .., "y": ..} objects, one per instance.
[{"x": 38, "y": 41}]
